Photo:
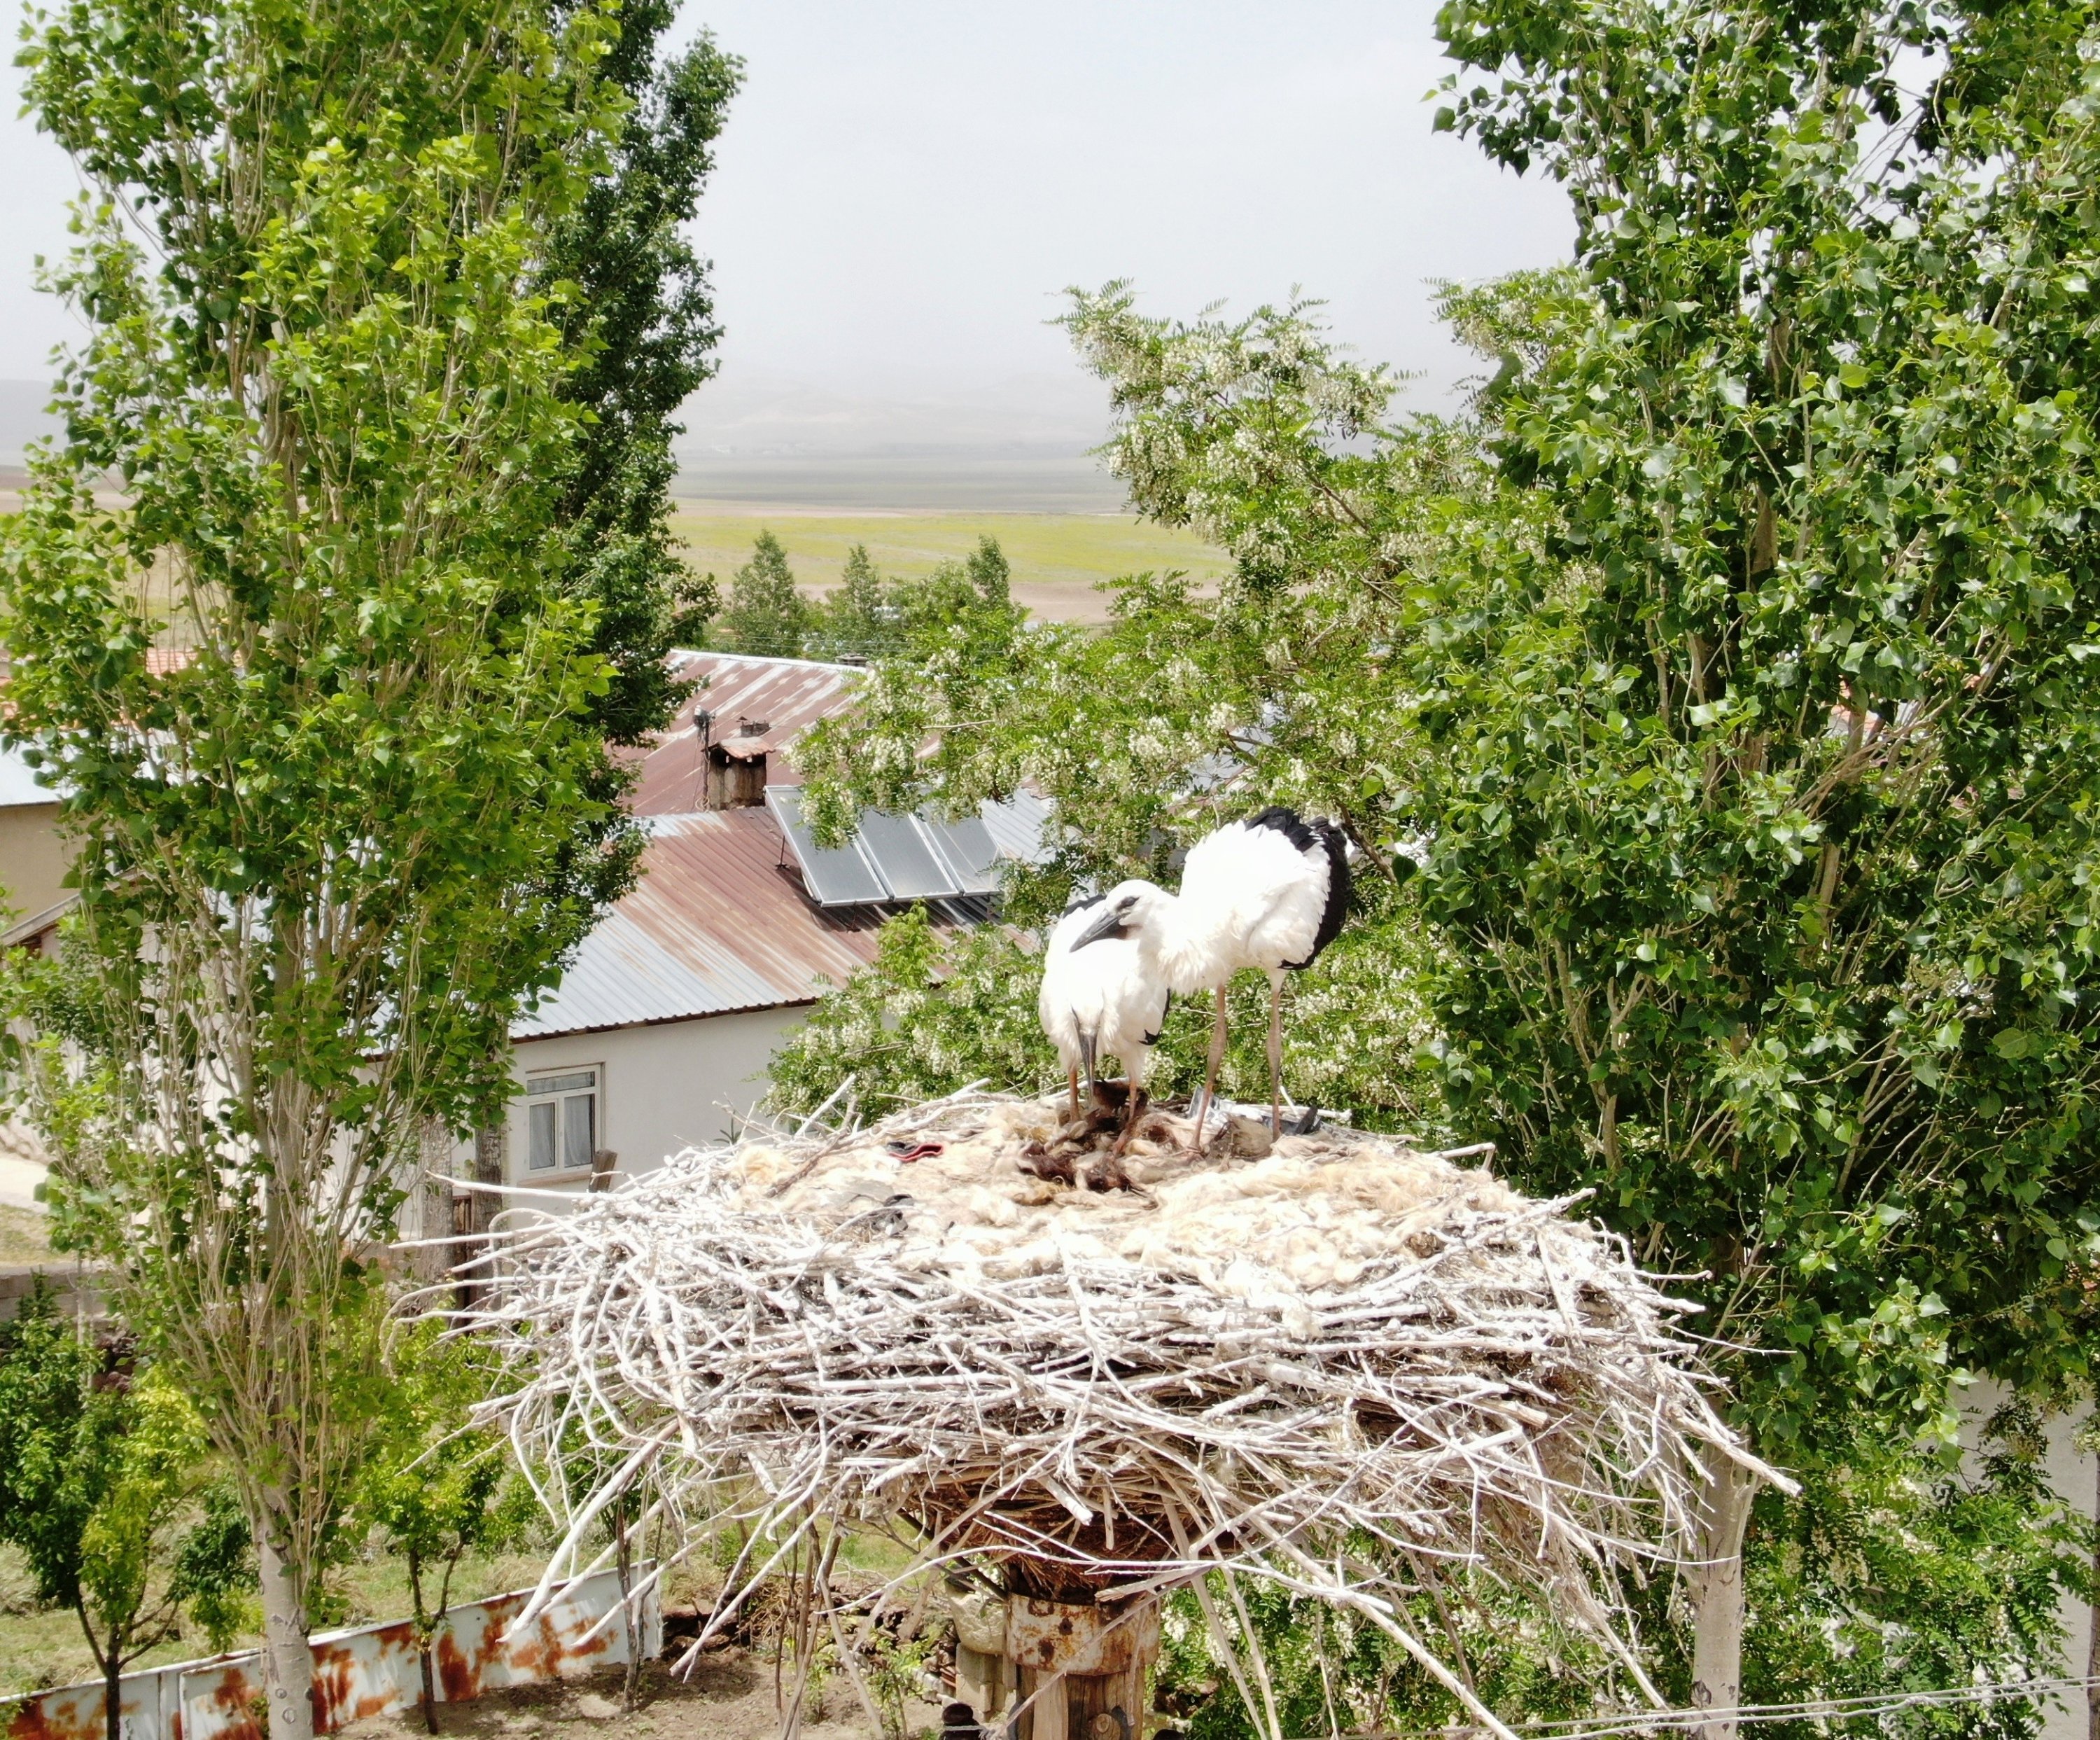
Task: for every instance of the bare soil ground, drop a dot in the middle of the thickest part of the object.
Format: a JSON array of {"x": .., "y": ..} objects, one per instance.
[{"x": 729, "y": 1697}]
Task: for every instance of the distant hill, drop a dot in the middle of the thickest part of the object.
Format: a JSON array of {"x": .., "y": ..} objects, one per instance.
[{"x": 1014, "y": 445}]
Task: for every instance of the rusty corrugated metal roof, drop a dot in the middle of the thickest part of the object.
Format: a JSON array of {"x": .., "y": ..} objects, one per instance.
[
  {"x": 719, "y": 923},
  {"x": 785, "y": 695}
]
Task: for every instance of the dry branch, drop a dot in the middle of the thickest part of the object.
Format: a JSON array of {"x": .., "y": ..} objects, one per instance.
[{"x": 1346, "y": 1368}]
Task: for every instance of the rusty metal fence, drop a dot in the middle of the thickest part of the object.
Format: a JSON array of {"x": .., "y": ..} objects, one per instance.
[{"x": 362, "y": 1673}]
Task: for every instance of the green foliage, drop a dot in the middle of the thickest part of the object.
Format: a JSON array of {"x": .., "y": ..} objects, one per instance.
[
  {"x": 643, "y": 310},
  {"x": 765, "y": 615},
  {"x": 898, "y": 1675},
  {"x": 935, "y": 1012},
  {"x": 1325, "y": 1670},
  {"x": 102, "y": 1463},
  {"x": 966, "y": 606},
  {"x": 213, "y": 1569},
  {"x": 1791, "y": 953},
  {"x": 436, "y": 1488},
  {"x": 332, "y": 848},
  {"x": 1888, "y": 1572},
  {"x": 860, "y": 622}
]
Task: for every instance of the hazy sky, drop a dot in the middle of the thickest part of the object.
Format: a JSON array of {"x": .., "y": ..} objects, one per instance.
[{"x": 906, "y": 186}]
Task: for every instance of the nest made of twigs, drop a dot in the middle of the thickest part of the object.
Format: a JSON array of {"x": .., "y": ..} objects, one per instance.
[{"x": 1347, "y": 1367}]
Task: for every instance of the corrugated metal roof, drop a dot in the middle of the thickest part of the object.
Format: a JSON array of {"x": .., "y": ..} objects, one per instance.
[
  {"x": 785, "y": 695},
  {"x": 914, "y": 857},
  {"x": 1017, "y": 826},
  {"x": 719, "y": 923}
]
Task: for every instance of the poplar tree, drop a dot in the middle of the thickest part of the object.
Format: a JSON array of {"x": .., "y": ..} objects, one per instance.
[
  {"x": 766, "y": 615},
  {"x": 644, "y": 309},
  {"x": 316, "y": 704}
]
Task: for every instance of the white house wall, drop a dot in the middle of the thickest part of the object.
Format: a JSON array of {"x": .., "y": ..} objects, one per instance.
[
  {"x": 661, "y": 1088},
  {"x": 2072, "y": 1473}
]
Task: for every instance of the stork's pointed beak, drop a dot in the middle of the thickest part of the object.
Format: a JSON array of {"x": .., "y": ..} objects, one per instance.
[{"x": 1108, "y": 922}]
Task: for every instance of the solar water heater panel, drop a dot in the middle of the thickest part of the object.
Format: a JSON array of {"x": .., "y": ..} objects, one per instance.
[
  {"x": 904, "y": 858},
  {"x": 834, "y": 876},
  {"x": 968, "y": 850}
]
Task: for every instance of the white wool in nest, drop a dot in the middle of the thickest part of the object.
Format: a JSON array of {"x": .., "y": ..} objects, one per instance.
[{"x": 1308, "y": 1215}]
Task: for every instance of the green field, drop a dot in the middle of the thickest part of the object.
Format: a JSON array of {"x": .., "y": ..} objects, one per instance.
[{"x": 1058, "y": 559}]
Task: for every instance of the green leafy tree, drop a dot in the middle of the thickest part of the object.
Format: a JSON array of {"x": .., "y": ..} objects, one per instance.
[
  {"x": 315, "y": 846},
  {"x": 639, "y": 309},
  {"x": 1764, "y": 761},
  {"x": 766, "y": 615},
  {"x": 860, "y": 619},
  {"x": 1889, "y": 1571},
  {"x": 1711, "y": 702},
  {"x": 101, "y": 1464},
  {"x": 438, "y": 1490},
  {"x": 961, "y": 611},
  {"x": 643, "y": 310}
]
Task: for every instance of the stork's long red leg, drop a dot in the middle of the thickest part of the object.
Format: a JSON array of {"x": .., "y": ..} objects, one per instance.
[
  {"x": 1072, "y": 1096},
  {"x": 1133, "y": 1110},
  {"x": 1210, "y": 1077},
  {"x": 1275, "y": 1053}
]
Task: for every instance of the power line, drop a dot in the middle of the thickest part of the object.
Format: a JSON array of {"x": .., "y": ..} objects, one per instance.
[{"x": 1879, "y": 1703}]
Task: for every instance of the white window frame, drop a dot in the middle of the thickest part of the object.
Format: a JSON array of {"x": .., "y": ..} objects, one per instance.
[{"x": 556, "y": 1090}]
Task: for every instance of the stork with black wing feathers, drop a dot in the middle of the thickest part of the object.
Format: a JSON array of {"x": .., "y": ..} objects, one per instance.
[{"x": 1270, "y": 892}]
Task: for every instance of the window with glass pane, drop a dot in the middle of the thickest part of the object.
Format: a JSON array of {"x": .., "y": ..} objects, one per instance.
[{"x": 561, "y": 1120}]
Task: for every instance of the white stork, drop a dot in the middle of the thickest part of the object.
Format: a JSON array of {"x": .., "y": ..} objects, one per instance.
[
  {"x": 1269, "y": 892},
  {"x": 1101, "y": 1003}
]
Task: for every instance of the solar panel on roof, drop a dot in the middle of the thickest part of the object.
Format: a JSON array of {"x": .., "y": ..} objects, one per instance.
[
  {"x": 904, "y": 858},
  {"x": 966, "y": 846},
  {"x": 837, "y": 877}
]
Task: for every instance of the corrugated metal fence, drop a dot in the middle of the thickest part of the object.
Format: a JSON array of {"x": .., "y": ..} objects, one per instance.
[{"x": 358, "y": 1673}]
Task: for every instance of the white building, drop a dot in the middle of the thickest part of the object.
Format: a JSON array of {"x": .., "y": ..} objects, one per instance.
[
  {"x": 660, "y": 1034},
  {"x": 662, "y": 1028}
]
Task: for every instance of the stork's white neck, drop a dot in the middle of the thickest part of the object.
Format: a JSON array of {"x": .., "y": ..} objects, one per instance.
[{"x": 1182, "y": 941}]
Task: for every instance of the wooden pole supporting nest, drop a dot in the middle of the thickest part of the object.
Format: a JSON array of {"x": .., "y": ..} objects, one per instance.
[
  {"x": 1347, "y": 1369},
  {"x": 1047, "y": 1668}
]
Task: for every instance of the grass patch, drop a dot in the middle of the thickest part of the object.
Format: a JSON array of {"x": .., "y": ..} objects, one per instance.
[
  {"x": 25, "y": 1236},
  {"x": 1058, "y": 559}
]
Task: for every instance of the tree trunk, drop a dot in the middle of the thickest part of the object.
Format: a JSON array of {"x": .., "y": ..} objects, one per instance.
[
  {"x": 631, "y": 1632},
  {"x": 430, "y": 1686},
  {"x": 2093, "y": 1643},
  {"x": 491, "y": 1144},
  {"x": 1717, "y": 1596},
  {"x": 112, "y": 1694},
  {"x": 288, "y": 1660},
  {"x": 434, "y": 1146}
]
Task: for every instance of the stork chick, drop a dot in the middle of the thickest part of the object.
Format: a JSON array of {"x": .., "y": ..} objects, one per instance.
[
  {"x": 1270, "y": 892},
  {"x": 1099, "y": 1002}
]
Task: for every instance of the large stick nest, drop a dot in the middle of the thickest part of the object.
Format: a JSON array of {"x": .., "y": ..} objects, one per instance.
[{"x": 1346, "y": 1366}]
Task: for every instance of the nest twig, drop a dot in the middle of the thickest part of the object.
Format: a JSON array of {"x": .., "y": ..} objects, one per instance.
[{"x": 1497, "y": 1387}]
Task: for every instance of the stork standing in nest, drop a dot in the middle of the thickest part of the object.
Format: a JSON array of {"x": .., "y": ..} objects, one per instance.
[
  {"x": 1270, "y": 892},
  {"x": 1107, "y": 1000}
]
